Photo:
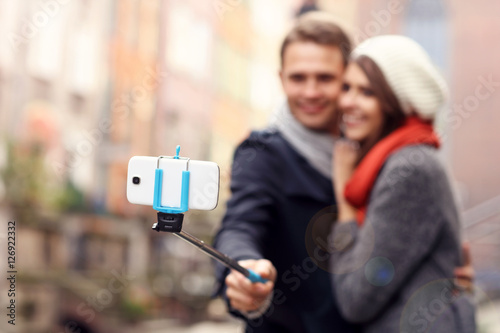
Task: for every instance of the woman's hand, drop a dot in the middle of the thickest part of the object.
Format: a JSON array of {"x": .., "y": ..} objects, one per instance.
[
  {"x": 464, "y": 275},
  {"x": 345, "y": 156},
  {"x": 344, "y": 160}
]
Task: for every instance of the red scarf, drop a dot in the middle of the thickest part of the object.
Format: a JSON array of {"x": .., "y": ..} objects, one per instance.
[{"x": 414, "y": 131}]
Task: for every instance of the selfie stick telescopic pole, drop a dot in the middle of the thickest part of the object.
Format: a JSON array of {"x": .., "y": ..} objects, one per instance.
[{"x": 173, "y": 223}]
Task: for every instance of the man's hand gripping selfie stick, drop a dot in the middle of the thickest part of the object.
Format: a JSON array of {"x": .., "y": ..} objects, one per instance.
[{"x": 170, "y": 220}]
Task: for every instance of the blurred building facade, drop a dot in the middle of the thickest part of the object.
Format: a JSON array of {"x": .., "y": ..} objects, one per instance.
[{"x": 85, "y": 85}]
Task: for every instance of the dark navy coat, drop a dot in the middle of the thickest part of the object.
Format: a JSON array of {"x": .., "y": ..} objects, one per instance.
[{"x": 281, "y": 209}]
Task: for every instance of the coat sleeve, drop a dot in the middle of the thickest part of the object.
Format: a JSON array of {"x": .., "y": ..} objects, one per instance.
[
  {"x": 402, "y": 223},
  {"x": 251, "y": 209}
]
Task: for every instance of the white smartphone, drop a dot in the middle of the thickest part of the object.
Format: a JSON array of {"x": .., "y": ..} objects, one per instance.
[{"x": 203, "y": 182}]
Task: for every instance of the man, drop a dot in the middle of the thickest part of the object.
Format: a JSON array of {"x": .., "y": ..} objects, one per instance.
[
  {"x": 282, "y": 193},
  {"x": 280, "y": 180}
]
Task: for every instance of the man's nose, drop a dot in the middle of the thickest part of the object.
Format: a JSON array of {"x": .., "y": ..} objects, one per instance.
[{"x": 312, "y": 89}]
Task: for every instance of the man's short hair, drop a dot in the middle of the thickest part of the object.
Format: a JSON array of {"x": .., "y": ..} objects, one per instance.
[{"x": 320, "y": 28}]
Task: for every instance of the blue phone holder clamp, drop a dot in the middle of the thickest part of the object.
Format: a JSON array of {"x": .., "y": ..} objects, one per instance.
[{"x": 184, "y": 206}]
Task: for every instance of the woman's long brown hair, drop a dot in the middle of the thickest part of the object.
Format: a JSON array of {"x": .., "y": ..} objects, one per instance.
[{"x": 391, "y": 108}]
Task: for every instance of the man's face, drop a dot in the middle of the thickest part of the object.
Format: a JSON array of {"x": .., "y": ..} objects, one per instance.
[{"x": 312, "y": 80}]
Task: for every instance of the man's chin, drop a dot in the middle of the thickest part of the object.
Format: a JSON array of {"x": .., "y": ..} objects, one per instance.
[
  {"x": 317, "y": 111},
  {"x": 315, "y": 126}
]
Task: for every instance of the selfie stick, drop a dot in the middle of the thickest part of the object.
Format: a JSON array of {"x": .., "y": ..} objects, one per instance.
[{"x": 170, "y": 220}]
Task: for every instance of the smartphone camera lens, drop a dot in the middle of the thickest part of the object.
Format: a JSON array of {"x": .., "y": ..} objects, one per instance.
[{"x": 136, "y": 180}]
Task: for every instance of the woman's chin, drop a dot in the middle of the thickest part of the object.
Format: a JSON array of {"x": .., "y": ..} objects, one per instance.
[{"x": 354, "y": 137}]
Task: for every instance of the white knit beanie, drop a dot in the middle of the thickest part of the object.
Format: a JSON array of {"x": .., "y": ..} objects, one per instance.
[{"x": 409, "y": 72}]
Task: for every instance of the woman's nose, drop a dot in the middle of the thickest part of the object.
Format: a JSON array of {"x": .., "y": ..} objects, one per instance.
[{"x": 346, "y": 100}]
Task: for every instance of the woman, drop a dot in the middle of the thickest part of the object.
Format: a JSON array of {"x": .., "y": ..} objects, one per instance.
[{"x": 397, "y": 238}]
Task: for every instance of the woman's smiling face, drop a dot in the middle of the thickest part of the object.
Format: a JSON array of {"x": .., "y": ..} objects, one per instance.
[{"x": 362, "y": 116}]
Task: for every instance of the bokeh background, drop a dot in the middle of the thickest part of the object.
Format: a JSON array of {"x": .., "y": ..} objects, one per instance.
[{"x": 86, "y": 84}]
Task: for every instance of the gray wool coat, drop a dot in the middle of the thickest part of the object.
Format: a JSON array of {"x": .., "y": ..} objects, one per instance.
[{"x": 395, "y": 273}]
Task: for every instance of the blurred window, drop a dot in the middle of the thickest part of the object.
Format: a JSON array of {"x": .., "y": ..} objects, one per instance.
[
  {"x": 41, "y": 89},
  {"x": 77, "y": 103},
  {"x": 189, "y": 42},
  {"x": 426, "y": 22},
  {"x": 81, "y": 255},
  {"x": 13, "y": 39},
  {"x": 47, "y": 248},
  {"x": 46, "y": 42}
]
